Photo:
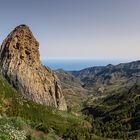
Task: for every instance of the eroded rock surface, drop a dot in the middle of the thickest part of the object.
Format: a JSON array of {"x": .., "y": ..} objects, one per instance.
[{"x": 21, "y": 66}]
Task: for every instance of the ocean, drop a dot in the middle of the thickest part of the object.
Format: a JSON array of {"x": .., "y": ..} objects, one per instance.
[{"x": 78, "y": 64}]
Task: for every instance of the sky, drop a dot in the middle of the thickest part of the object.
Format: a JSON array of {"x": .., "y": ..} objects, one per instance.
[{"x": 80, "y": 29}]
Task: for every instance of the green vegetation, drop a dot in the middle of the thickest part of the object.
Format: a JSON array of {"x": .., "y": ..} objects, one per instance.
[
  {"x": 10, "y": 128},
  {"x": 40, "y": 122},
  {"x": 118, "y": 115}
]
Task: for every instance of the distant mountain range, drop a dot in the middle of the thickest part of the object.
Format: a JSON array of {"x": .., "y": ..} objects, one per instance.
[{"x": 99, "y": 81}]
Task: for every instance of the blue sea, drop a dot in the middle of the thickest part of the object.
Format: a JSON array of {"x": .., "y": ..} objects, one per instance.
[{"x": 78, "y": 64}]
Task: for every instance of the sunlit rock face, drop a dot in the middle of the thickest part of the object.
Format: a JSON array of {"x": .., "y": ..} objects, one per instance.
[{"x": 21, "y": 66}]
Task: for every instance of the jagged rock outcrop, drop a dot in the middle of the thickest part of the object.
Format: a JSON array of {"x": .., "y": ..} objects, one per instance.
[{"x": 20, "y": 65}]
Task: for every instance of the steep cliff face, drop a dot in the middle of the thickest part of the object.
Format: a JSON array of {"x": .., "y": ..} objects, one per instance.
[{"x": 21, "y": 66}]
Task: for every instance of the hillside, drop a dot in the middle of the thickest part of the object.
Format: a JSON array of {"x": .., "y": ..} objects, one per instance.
[
  {"x": 118, "y": 113},
  {"x": 38, "y": 121}
]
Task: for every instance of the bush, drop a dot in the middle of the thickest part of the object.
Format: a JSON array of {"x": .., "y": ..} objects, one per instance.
[{"x": 9, "y": 129}]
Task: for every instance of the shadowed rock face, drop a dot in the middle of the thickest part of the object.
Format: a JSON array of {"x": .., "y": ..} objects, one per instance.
[{"x": 21, "y": 66}]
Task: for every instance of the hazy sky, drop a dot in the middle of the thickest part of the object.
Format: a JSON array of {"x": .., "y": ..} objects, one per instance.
[{"x": 98, "y": 29}]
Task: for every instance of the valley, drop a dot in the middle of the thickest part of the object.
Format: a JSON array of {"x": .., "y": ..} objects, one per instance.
[{"x": 112, "y": 98}]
